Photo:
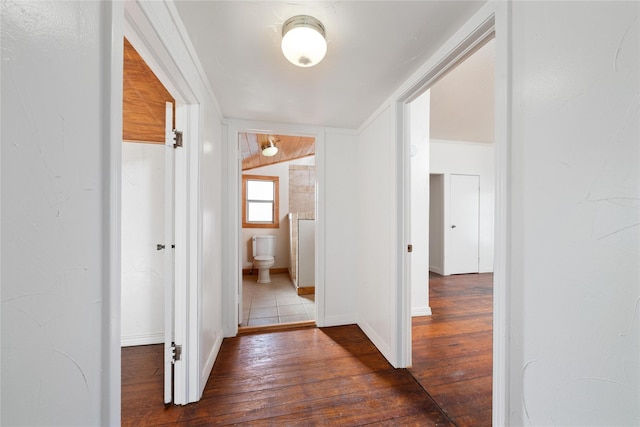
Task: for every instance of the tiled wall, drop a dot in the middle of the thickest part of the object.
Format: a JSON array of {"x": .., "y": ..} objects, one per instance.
[
  {"x": 302, "y": 205},
  {"x": 302, "y": 189}
]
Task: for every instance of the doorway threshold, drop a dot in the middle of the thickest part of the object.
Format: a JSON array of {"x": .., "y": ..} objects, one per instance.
[{"x": 243, "y": 330}]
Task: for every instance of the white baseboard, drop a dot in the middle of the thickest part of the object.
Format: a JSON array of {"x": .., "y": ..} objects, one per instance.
[
  {"x": 345, "y": 319},
  {"x": 211, "y": 358},
  {"x": 384, "y": 347},
  {"x": 420, "y": 311},
  {"x": 436, "y": 270},
  {"x": 143, "y": 339}
]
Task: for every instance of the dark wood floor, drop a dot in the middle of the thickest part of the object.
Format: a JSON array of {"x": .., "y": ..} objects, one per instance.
[
  {"x": 332, "y": 376},
  {"x": 452, "y": 348},
  {"x": 305, "y": 377}
]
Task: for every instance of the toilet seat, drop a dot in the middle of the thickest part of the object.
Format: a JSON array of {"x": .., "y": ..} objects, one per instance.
[{"x": 263, "y": 258}]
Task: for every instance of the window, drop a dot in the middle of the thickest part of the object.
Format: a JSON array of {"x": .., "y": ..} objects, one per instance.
[{"x": 260, "y": 201}]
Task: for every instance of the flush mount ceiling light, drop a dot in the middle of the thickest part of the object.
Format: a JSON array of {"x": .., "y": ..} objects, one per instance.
[
  {"x": 303, "y": 42},
  {"x": 269, "y": 147}
]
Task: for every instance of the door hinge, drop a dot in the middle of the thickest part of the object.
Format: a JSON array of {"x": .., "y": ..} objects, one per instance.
[
  {"x": 409, "y": 248},
  {"x": 176, "y": 352},
  {"x": 177, "y": 137}
]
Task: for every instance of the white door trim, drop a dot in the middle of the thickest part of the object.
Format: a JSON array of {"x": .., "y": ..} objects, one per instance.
[
  {"x": 111, "y": 375},
  {"x": 140, "y": 22},
  {"x": 231, "y": 240},
  {"x": 169, "y": 253},
  {"x": 492, "y": 19}
]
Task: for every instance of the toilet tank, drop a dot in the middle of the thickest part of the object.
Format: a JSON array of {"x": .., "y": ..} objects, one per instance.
[{"x": 264, "y": 245}]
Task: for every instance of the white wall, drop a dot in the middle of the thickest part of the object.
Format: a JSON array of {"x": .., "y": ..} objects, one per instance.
[
  {"x": 341, "y": 218},
  {"x": 142, "y": 286},
  {"x": 60, "y": 315},
  {"x": 575, "y": 239},
  {"x": 419, "y": 115},
  {"x": 469, "y": 158},
  {"x": 55, "y": 213}
]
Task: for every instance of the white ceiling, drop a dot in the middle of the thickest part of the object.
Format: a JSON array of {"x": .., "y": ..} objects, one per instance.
[
  {"x": 463, "y": 101},
  {"x": 373, "y": 47}
]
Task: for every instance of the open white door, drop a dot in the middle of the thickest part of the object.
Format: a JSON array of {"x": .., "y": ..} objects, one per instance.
[{"x": 169, "y": 275}]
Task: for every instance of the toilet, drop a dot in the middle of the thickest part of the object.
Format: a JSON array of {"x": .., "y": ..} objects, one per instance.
[{"x": 264, "y": 253}]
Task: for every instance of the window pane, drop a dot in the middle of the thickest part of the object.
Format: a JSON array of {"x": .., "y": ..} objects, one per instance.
[
  {"x": 259, "y": 212},
  {"x": 259, "y": 190}
]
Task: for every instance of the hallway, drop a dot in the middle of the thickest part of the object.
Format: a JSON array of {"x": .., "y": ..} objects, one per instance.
[
  {"x": 314, "y": 376},
  {"x": 304, "y": 377},
  {"x": 452, "y": 348}
]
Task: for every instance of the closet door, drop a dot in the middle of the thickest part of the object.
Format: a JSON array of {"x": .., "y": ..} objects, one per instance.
[{"x": 464, "y": 224}]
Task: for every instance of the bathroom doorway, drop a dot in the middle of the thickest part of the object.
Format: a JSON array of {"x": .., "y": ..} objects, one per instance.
[{"x": 278, "y": 202}]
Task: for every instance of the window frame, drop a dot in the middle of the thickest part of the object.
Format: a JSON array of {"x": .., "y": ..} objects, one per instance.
[{"x": 276, "y": 200}]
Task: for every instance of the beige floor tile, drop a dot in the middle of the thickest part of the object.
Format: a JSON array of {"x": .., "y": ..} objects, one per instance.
[
  {"x": 275, "y": 302},
  {"x": 263, "y": 321},
  {"x": 294, "y": 318},
  {"x": 262, "y": 312},
  {"x": 288, "y": 310}
]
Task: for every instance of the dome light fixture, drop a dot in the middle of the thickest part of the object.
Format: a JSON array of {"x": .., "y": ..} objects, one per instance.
[
  {"x": 303, "y": 40},
  {"x": 269, "y": 148}
]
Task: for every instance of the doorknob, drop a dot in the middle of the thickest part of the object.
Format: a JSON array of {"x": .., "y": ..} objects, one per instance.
[
  {"x": 159, "y": 247},
  {"x": 453, "y": 226}
]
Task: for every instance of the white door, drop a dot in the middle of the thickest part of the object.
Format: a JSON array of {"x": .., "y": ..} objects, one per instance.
[
  {"x": 169, "y": 271},
  {"x": 464, "y": 224}
]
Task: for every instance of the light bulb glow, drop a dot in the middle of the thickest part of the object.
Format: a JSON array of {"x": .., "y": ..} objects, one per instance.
[
  {"x": 303, "y": 42},
  {"x": 270, "y": 151}
]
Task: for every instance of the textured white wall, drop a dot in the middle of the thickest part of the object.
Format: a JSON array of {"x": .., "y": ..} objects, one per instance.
[
  {"x": 54, "y": 212},
  {"x": 575, "y": 243},
  {"x": 470, "y": 158},
  {"x": 142, "y": 285}
]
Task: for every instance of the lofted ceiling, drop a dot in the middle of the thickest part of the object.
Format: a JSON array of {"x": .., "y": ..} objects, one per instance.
[
  {"x": 144, "y": 100},
  {"x": 463, "y": 101},
  {"x": 289, "y": 148},
  {"x": 373, "y": 47}
]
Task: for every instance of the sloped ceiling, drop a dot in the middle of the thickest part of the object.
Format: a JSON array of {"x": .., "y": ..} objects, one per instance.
[
  {"x": 289, "y": 148},
  {"x": 463, "y": 101},
  {"x": 143, "y": 102},
  {"x": 373, "y": 47}
]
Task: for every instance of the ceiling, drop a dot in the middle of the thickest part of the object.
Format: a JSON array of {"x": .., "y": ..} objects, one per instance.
[
  {"x": 144, "y": 100},
  {"x": 463, "y": 101},
  {"x": 289, "y": 148},
  {"x": 373, "y": 47}
]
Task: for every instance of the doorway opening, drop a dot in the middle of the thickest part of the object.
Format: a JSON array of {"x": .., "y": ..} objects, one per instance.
[
  {"x": 147, "y": 212},
  {"x": 278, "y": 231},
  {"x": 456, "y": 224}
]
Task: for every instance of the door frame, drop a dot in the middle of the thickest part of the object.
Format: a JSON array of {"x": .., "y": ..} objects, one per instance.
[
  {"x": 492, "y": 21},
  {"x": 138, "y": 23},
  {"x": 231, "y": 278}
]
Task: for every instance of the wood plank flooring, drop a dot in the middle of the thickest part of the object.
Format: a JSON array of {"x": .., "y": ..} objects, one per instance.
[
  {"x": 306, "y": 377},
  {"x": 452, "y": 348},
  {"x": 335, "y": 376}
]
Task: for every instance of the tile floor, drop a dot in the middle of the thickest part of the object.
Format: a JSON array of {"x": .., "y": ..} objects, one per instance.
[{"x": 275, "y": 302}]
